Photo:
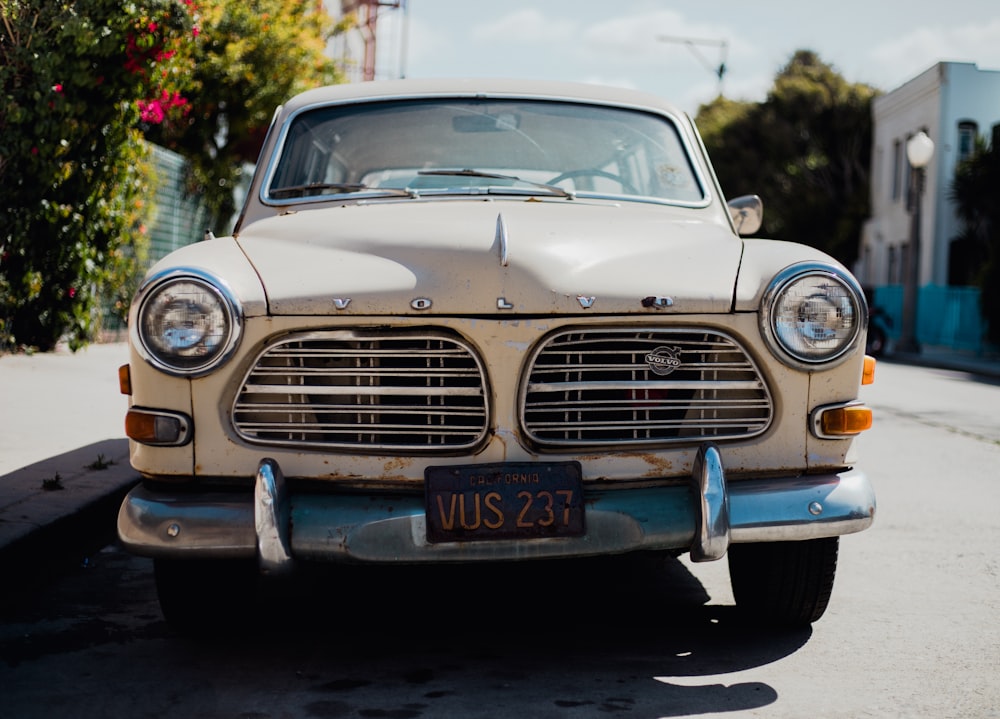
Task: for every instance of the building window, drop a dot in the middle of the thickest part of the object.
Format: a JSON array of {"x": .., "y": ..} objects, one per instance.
[
  {"x": 897, "y": 168},
  {"x": 967, "y": 133}
]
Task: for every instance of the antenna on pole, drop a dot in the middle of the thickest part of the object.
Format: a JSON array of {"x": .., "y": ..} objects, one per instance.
[{"x": 718, "y": 70}]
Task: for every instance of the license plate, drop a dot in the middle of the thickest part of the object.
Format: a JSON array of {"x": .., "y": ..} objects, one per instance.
[{"x": 504, "y": 501}]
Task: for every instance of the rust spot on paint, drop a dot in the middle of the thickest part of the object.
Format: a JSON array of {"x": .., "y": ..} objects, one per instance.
[
  {"x": 659, "y": 466},
  {"x": 395, "y": 465}
]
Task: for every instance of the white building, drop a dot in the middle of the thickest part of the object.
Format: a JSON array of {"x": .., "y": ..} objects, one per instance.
[{"x": 953, "y": 102}]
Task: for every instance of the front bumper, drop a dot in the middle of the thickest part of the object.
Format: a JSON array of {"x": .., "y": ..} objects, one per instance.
[{"x": 277, "y": 527}]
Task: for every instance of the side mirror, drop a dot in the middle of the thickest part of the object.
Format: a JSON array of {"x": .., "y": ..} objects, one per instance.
[{"x": 747, "y": 212}]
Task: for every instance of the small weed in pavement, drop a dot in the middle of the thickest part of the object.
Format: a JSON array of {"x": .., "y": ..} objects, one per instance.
[
  {"x": 101, "y": 462},
  {"x": 53, "y": 483}
]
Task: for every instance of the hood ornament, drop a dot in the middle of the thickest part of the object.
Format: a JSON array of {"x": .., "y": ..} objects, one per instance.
[{"x": 500, "y": 241}]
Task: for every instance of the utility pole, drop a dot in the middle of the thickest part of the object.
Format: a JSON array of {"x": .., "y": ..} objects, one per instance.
[
  {"x": 367, "y": 12},
  {"x": 692, "y": 43}
]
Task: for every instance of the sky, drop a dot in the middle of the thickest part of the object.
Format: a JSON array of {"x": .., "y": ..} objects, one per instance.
[{"x": 673, "y": 49}]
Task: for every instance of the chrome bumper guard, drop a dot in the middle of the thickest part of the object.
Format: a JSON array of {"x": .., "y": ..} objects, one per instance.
[{"x": 275, "y": 526}]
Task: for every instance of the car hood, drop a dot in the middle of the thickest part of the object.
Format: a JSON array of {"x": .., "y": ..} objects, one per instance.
[{"x": 464, "y": 257}]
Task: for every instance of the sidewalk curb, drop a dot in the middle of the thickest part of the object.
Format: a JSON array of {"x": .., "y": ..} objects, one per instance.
[
  {"x": 64, "y": 508},
  {"x": 978, "y": 367}
]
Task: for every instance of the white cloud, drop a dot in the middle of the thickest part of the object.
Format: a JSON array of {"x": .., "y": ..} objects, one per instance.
[
  {"x": 525, "y": 27},
  {"x": 636, "y": 40},
  {"x": 904, "y": 57},
  {"x": 621, "y": 43}
]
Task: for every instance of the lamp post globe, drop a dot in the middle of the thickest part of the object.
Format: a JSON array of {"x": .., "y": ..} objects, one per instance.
[{"x": 919, "y": 151}]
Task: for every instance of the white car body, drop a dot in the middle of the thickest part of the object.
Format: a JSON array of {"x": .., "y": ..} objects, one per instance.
[{"x": 364, "y": 338}]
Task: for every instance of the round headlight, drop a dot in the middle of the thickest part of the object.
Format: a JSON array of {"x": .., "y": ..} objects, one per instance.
[
  {"x": 814, "y": 314},
  {"x": 187, "y": 323}
]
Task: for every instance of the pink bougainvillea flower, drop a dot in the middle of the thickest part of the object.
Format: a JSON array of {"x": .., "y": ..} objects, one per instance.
[
  {"x": 151, "y": 112},
  {"x": 155, "y": 111}
]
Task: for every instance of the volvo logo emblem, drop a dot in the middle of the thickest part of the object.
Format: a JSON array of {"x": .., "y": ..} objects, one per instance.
[{"x": 664, "y": 360}]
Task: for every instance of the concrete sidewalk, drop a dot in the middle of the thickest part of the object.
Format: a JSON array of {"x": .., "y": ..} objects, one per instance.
[
  {"x": 64, "y": 508},
  {"x": 64, "y": 464},
  {"x": 63, "y": 454}
]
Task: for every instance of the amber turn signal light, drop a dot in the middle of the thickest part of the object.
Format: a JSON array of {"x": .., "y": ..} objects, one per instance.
[
  {"x": 157, "y": 427},
  {"x": 125, "y": 379},
  {"x": 842, "y": 421},
  {"x": 868, "y": 373}
]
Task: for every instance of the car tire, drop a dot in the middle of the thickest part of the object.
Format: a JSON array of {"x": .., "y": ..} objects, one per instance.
[
  {"x": 784, "y": 583},
  {"x": 206, "y": 596}
]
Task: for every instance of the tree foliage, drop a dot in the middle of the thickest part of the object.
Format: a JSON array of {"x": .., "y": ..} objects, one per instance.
[
  {"x": 74, "y": 77},
  {"x": 83, "y": 82},
  {"x": 805, "y": 150},
  {"x": 974, "y": 191},
  {"x": 251, "y": 56}
]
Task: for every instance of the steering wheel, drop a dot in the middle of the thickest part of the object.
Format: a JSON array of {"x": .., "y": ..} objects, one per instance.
[{"x": 627, "y": 187}]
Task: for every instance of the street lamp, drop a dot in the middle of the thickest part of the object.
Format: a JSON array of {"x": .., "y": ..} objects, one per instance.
[{"x": 919, "y": 150}]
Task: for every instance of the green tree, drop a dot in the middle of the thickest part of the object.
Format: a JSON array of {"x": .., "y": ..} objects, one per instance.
[
  {"x": 974, "y": 190},
  {"x": 251, "y": 56},
  {"x": 805, "y": 150},
  {"x": 75, "y": 78}
]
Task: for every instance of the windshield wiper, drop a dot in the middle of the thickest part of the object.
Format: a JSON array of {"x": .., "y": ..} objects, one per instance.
[
  {"x": 345, "y": 187},
  {"x": 562, "y": 192}
]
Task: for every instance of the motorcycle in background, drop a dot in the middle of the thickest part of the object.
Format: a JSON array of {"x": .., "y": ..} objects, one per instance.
[{"x": 879, "y": 327}]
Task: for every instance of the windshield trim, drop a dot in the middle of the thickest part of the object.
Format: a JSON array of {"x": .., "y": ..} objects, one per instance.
[{"x": 707, "y": 187}]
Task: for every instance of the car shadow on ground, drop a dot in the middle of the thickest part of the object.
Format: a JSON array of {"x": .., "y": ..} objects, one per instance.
[
  {"x": 606, "y": 624},
  {"x": 524, "y": 639}
]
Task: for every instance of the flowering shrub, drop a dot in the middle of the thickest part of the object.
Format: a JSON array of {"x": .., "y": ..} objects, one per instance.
[
  {"x": 71, "y": 158},
  {"x": 249, "y": 58},
  {"x": 201, "y": 77}
]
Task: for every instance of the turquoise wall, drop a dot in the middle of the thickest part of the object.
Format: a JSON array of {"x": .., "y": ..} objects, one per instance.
[{"x": 946, "y": 316}]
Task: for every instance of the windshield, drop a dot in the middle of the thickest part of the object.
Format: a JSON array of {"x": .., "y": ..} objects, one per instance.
[{"x": 449, "y": 146}]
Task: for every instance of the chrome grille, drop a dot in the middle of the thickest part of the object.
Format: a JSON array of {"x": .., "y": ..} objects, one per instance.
[
  {"x": 410, "y": 391},
  {"x": 634, "y": 387}
]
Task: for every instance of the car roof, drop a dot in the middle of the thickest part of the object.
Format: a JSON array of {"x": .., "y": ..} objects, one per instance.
[{"x": 481, "y": 87}]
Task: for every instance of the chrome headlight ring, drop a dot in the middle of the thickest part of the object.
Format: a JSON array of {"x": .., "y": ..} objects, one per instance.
[
  {"x": 186, "y": 322},
  {"x": 813, "y": 314}
]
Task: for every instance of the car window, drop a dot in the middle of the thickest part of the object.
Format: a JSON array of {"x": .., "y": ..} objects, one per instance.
[{"x": 455, "y": 146}]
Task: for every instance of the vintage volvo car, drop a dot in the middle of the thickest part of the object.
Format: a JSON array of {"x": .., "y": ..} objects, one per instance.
[{"x": 485, "y": 320}]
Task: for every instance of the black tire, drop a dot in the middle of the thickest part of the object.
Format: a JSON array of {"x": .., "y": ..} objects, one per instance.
[
  {"x": 206, "y": 596},
  {"x": 785, "y": 583}
]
